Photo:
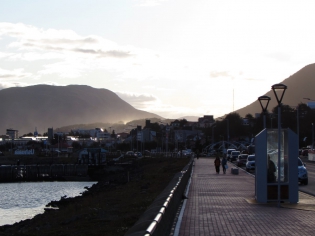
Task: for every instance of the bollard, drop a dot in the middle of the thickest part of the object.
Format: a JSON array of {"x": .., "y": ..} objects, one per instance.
[{"x": 234, "y": 170}]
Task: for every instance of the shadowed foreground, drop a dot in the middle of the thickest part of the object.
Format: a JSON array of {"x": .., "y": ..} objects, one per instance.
[{"x": 110, "y": 207}]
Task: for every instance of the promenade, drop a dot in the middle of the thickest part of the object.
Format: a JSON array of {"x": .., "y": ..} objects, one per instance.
[{"x": 224, "y": 204}]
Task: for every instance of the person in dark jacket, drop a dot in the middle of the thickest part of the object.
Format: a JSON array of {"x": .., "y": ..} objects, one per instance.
[
  {"x": 271, "y": 171},
  {"x": 224, "y": 161},
  {"x": 217, "y": 163}
]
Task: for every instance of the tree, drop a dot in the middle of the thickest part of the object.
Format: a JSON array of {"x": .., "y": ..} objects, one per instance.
[
  {"x": 29, "y": 134},
  {"x": 183, "y": 122}
]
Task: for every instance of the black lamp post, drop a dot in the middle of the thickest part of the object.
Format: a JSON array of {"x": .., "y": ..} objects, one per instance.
[
  {"x": 264, "y": 102},
  {"x": 279, "y": 90},
  {"x": 312, "y": 136}
]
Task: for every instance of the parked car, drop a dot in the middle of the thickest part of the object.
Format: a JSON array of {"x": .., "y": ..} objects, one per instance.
[
  {"x": 118, "y": 158},
  {"x": 228, "y": 152},
  {"x": 241, "y": 160},
  {"x": 304, "y": 152},
  {"x": 138, "y": 154},
  {"x": 250, "y": 164},
  {"x": 129, "y": 154},
  {"x": 302, "y": 172},
  {"x": 211, "y": 153},
  {"x": 233, "y": 156}
]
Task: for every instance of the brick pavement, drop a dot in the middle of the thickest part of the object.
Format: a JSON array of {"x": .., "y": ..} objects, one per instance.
[{"x": 220, "y": 204}]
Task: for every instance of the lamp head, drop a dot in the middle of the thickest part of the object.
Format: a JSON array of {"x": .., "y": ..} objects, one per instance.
[
  {"x": 278, "y": 90},
  {"x": 264, "y": 101}
]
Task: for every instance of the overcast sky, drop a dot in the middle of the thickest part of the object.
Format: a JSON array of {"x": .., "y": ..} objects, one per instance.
[{"x": 169, "y": 57}]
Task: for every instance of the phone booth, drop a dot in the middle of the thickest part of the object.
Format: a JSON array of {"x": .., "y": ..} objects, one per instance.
[{"x": 266, "y": 160}]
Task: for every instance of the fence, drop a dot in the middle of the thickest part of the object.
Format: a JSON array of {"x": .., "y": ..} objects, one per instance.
[{"x": 158, "y": 218}]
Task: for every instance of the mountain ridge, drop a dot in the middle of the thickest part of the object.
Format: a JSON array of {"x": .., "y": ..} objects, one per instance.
[
  {"x": 300, "y": 85},
  {"x": 45, "y": 106}
]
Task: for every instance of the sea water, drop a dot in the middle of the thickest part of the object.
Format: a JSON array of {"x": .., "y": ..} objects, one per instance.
[{"x": 20, "y": 201}]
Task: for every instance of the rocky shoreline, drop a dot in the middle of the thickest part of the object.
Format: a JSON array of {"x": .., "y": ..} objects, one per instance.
[{"x": 109, "y": 207}]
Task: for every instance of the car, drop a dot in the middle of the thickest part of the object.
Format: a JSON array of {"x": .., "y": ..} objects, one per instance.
[
  {"x": 129, "y": 154},
  {"x": 118, "y": 158},
  {"x": 302, "y": 172},
  {"x": 211, "y": 153},
  {"x": 138, "y": 154},
  {"x": 304, "y": 152},
  {"x": 241, "y": 160},
  {"x": 233, "y": 156},
  {"x": 250, "y": 164},
  {"x": 228, "y": 152}
]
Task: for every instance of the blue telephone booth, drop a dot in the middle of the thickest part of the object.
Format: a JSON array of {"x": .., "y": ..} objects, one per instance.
[{"x": 267, "y": 180}]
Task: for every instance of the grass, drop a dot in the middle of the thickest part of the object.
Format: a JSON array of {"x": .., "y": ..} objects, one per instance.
[{"x": 108, "y": 208}]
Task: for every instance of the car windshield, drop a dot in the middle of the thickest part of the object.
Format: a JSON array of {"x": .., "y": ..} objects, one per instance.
[
  {"x": 243, "y": 157},
  {"x": 252, "y": 158}
]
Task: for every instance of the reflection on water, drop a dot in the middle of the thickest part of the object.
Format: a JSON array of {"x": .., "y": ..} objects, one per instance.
[{"x": 20, "y": 201}]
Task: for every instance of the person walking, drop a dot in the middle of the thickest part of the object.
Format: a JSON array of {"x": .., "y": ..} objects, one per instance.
[
  {"x": 217, "y": 163},
  {"x": 224, "y": 162}
]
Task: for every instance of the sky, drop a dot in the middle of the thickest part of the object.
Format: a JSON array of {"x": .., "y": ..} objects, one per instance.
[{"x": 173, "y": 58}]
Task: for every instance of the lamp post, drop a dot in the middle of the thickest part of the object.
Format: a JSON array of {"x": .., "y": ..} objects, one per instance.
[
  {"x": 264, "y": 102},
  {"x": 279, "y": 90},
  {"x": 312, "y": 136}
]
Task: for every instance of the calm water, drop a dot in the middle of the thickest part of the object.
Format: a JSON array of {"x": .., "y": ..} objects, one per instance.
[{"x": 20, "y": 201}]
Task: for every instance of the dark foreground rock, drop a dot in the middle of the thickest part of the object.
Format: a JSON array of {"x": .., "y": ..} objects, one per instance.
[{"x": 109, "y": 207}]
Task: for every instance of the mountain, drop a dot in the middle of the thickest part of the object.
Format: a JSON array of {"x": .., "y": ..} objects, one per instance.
[
  {"x": 45, "y": 106},
  {"x": 189, "y": 118},
  {"x": 299, "y": 86}
]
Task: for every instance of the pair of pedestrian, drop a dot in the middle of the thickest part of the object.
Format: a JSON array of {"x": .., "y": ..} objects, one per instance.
[{"x": 218, "y": 163}]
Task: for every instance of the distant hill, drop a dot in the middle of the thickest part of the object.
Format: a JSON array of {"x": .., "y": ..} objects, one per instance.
[
  {"x": 300, "y": 85},
  {"x": 45, "y": 106}
]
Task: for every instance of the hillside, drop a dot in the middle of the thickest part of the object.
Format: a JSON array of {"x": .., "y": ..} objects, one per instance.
[
  {"x": 44, "y": 106},
  {"x": 300, "y": 85}
]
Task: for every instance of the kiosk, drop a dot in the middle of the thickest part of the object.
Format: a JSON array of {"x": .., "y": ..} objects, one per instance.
[{"x": 266, "y": 159}]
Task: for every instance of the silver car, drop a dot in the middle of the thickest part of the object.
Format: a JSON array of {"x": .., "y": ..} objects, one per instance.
[{"x": 250, "y": 164}]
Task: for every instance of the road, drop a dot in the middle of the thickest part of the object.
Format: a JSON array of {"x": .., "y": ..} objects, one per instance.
[{"x": 310, "y": 166}]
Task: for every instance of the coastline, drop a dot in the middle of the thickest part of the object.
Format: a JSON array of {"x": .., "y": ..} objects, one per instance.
[{"x": 109, "y": 207}]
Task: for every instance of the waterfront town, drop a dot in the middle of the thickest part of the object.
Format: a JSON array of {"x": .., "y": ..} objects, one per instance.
[{"x": 167, "y": 137}]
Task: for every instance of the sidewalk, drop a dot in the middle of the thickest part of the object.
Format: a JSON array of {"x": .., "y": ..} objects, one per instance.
[{"x": 224, "y": 204}]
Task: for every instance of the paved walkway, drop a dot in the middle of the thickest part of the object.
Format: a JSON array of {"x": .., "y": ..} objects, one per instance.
[{"x": 223, "y": 204}]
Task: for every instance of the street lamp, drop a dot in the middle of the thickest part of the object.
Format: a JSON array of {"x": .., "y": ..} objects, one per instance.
[
  {"x": 312, "y": 136},
  {"x": 279, "y": 90},
  {"x": 264, "y": 102}
]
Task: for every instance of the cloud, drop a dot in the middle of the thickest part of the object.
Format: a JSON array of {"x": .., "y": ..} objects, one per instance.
[
  {"x": 139, "y": 101},
  {"x": 112, "y": 53},
  {"x": 216, "y": 74},
  {"x": 67, "y": 54},
  {"x": 15, "y": 74},
  {"x": 280, "y": 56},
  {"x": 28, "y": 38},
  {"x": 149, "y": 3}
]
